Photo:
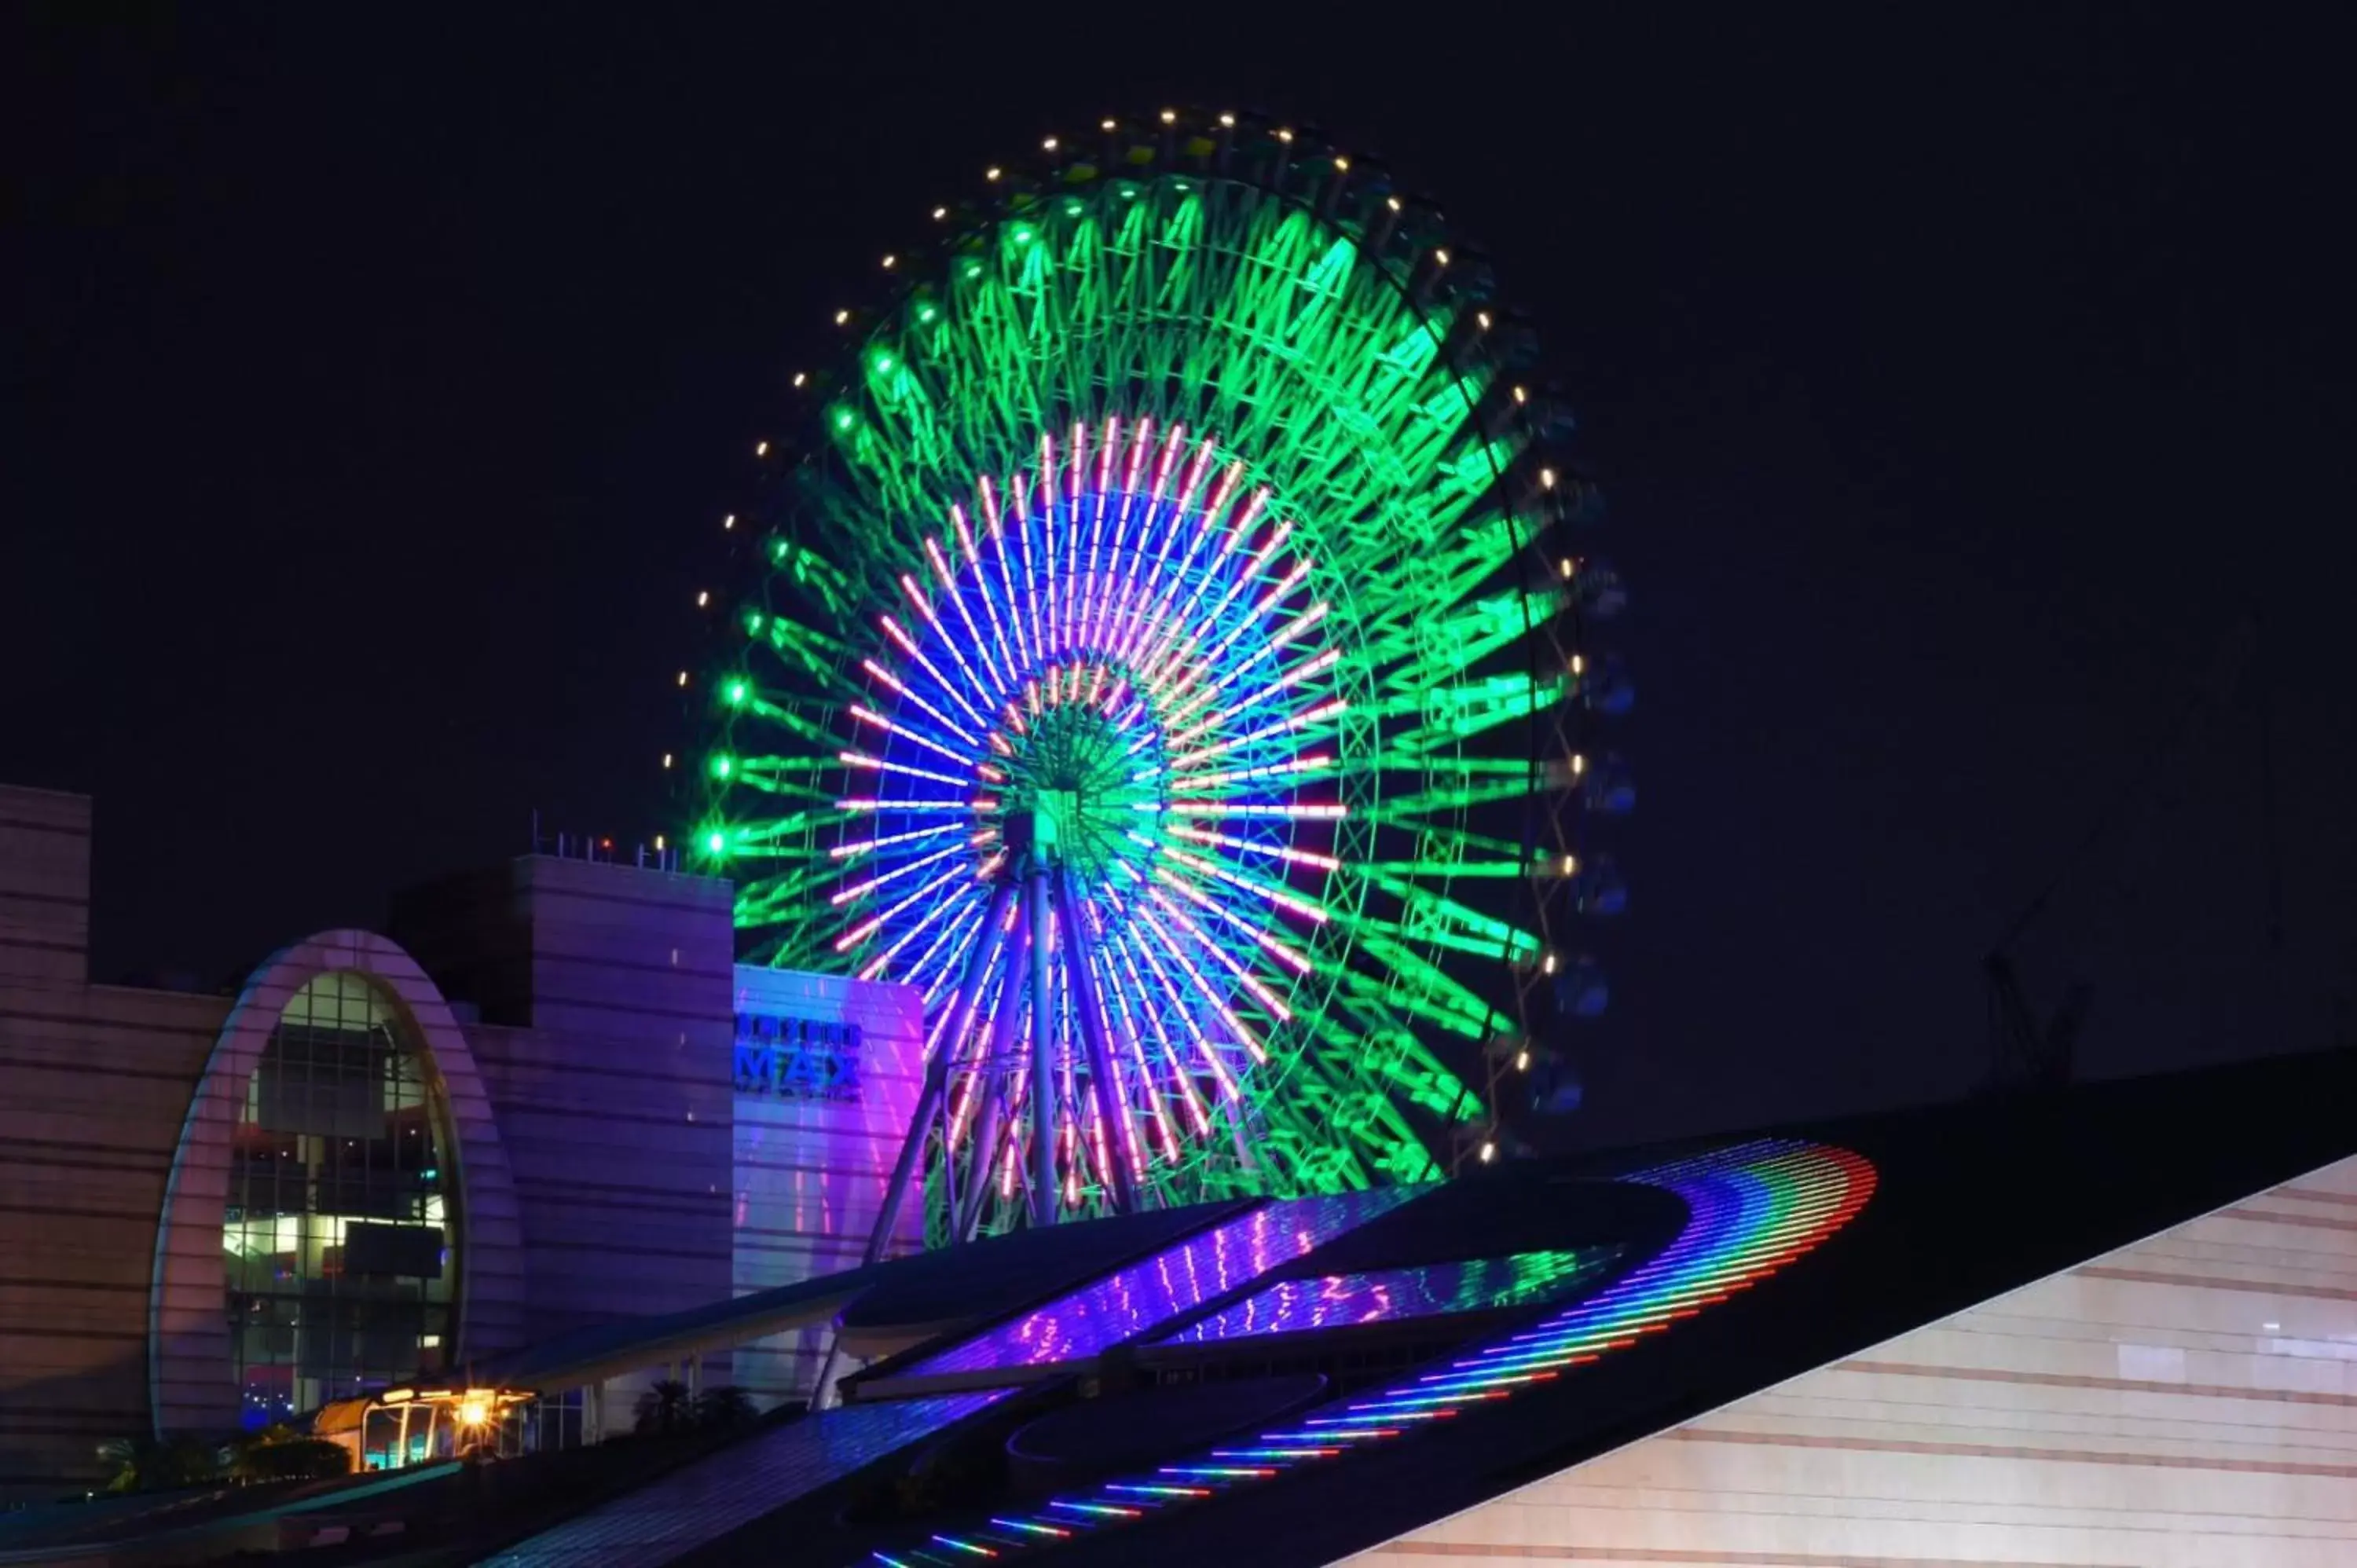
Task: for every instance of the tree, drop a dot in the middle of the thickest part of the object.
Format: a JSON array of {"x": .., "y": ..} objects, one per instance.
[
  {"x": 153, "y": 1463},
  {"x": 280, "y": 1453},
  {"x": 664, "y": 1408},
  {"x": 724, "y": 1405}
]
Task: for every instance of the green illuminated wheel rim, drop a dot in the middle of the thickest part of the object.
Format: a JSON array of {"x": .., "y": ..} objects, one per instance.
[{"x": 1174, "y": 580}]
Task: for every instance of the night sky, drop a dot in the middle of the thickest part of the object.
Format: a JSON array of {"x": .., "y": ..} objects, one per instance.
[{"x": 374, "y": 379}]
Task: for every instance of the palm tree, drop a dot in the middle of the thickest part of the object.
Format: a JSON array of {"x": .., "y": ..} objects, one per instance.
[
  {"x": 664, "y": 1408},
  {"x": 724, "y": 1405},
  {"x": 123, "y": 1458},
  {"x": 157, "y": 1463}
]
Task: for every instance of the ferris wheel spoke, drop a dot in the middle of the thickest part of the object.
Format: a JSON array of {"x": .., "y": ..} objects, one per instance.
[
  {"x": 901, "y": 687},
  {"x": 781, "y": 778},
  {"x": 1284, "y": 638},
  {"x": 1180, "y": 512},
  {"x": 923, "y": 604},
  {"x": 1127, "y": 1036},
  {"x": 867, "y": 927},
  {"x": 1305, "y": 669},
  {"x": 907, "y": 867},
  {"x": 1046, "y": 493},
  {"x": 941, "y": 683},
  {"x": 760, "y": 901},
  {"x": 1164, "y": 597},
  {"x": 1112, "y": 578},
  {"x": 1253, "y": 985},
  {"x": 1027, "y": 574},
  {"x": 1455, "y": 713},
  {"x": 977, "y": 1028},
  {"x": 1187, "y": 630},
  {"x": 1432, "y": 994},
  {"x": 866, "y": 715},
  {"x": 1217, "y": 810},
  {"x": 1314, "y": 715},
  {"x": 1097, "y": 499},
  {"x": 1185, "y": 1014},
  {"x": 1445, "y": 800},
  {"x": 1252, "y": 780},
  {"x": 1434, "y": 653},
  {"x": 1184, "y": 669},
  {"x": 1212, "y": 995},
  {"x": 958, "y": 934},
  {"x": 1288, "y": 956},
  {"x": 1430, "y": 916},
  {"x": 994, "y": 530},
  {"x": 995, "y": 691},
  {"x": 1174, "y": 441},
  {"x": 1268, "y": 892},
  {"x": 1209, "y": 839},
  {"x": 1008, "y": 659},
  {"x": 1102, "y": 574},
  {"x": 1136, "y": 1004}
]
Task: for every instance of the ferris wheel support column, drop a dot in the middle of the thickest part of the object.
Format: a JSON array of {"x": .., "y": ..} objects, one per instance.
[
  {"x": 993, "y": 1090},
  {"x": 1044, "y": 1193},
  {"x": 929, "y": 1098},
  {"x": 1100, "y": 1050}
]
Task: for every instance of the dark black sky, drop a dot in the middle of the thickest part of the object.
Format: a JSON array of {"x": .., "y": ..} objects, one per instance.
[{"x": 374, "y": 376}]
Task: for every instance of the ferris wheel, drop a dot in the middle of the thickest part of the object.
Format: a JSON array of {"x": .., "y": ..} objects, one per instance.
[{"x": 1164, "y": 649}]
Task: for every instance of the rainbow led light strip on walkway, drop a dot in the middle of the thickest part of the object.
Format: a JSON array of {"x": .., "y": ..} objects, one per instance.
[{"x": 1752, "y": 1209}]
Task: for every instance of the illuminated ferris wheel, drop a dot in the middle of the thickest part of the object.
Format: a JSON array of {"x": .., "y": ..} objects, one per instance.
[{"x": 1166, "y": 651}]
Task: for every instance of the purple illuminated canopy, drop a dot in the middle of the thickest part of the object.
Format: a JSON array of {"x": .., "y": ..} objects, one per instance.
[
  {"x": 1132, "y": 1301},
  {"x": 1388, "y": 1295}
]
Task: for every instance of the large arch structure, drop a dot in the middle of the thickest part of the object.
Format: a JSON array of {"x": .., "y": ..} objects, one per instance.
[{"x": 190, "y": 1384}]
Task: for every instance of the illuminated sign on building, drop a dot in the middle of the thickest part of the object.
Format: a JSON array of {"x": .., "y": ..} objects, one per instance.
[{"x": 797, "y": 1058}]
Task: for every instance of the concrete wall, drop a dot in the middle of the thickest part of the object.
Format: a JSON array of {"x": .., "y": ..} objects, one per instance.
[
  {"x": 2188, "y": 1402},
  {"x": 43, "y": 887},
  {"x": 811, "y": 1172},
  {"x": 97, "y": 1079},
  {"x": 604, "y": 1053}
]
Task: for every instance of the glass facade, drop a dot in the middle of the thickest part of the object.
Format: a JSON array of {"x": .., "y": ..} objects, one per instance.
[{"x": 341, "y": 1227}]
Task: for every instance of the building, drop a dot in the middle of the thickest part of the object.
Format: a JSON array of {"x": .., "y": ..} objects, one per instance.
[{"x": 546, "y": 1099}]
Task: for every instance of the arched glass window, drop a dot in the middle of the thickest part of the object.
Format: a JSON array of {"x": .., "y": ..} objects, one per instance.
[{"x": 341, "y": 1232}]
